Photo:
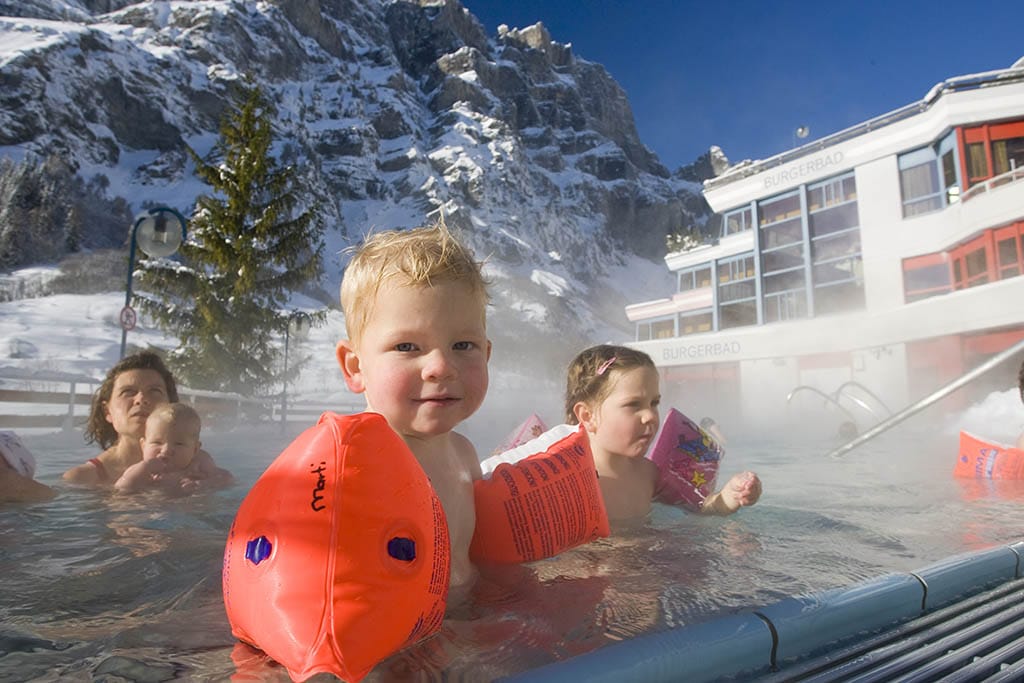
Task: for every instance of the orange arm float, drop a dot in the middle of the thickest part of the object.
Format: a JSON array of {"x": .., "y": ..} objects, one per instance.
[{"x": 339, "y": 555}]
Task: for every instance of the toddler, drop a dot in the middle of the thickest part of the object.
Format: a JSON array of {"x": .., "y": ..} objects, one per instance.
[
  {"x": 613, "y": 392},
  {"x": 172, "y": 459},
  {"x": 415, "y": 307}
]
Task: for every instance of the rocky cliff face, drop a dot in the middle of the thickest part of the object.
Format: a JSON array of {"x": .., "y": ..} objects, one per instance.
[{"x": 392, "y": 110}]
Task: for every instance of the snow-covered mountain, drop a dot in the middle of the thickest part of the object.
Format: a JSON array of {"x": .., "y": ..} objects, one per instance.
[{"x": 392, "y": 110}]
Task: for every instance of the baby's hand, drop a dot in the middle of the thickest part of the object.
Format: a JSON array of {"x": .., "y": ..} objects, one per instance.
[
  {"x": 742, "y": 490},
  {"x": 189, "y": 485},
  {"x": 155, "y": 469}
]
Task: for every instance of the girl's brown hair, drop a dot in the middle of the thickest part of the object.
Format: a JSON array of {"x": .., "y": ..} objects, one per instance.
[{"x": 588, "y": 378}]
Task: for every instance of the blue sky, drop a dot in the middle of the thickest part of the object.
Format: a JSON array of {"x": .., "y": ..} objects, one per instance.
[{"x": 744, "y": 75}]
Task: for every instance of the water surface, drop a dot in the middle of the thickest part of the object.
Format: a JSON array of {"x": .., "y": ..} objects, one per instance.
[{"x": 130, "y": 586}]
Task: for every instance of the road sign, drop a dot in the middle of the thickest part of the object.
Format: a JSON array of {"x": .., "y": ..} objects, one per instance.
[{"x": 128, "y": 318}]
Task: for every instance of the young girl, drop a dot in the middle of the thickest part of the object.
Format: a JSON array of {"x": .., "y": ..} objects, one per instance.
[{"x": 613, "y": 392}]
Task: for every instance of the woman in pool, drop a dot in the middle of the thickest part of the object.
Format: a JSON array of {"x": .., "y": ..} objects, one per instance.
[
  {"x": 117, "y": 420},
  {"x": 613, "y": 392}
]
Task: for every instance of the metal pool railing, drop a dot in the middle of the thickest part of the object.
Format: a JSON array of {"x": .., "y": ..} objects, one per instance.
[
  {"x": 917, "y": 407},
  {"x": 961, "y": 619}
]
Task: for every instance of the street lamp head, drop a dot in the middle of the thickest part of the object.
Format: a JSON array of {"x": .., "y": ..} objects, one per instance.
[{"x": 159, "y": 232}]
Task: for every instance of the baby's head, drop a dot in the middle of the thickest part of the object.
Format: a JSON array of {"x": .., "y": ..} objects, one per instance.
[
  {"x": 420, "y": 257},
  {"x": 172, "y": 434},
  {"x": 593, "y": 373}
]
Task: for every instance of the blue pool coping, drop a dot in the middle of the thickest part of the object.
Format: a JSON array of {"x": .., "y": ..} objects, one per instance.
[{"x": 767, "y": 640}]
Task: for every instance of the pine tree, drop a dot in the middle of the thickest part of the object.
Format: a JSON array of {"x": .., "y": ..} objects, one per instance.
[{"x": 250, "y": 243}]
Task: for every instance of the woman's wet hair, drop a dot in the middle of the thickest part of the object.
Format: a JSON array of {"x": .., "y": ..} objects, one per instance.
[
  {"x": 98, "y": 429},
  {"x": 587, "y": 380}
]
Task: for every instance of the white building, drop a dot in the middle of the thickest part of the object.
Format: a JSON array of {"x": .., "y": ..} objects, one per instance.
[{"x": 886, "y": 258}]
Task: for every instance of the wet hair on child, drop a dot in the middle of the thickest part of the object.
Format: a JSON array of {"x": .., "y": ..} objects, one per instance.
[
  {"x": 178, "y": 414},
  {"x": 587, "y": 380},
  {"x": 416, "y": 257}
]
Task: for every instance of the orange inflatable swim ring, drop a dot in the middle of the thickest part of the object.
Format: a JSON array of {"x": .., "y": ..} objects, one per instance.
[
  {"x": 982, "y": 459},
  {"x": 540, "y": 499},
  {"x": 339, "y": 555}
]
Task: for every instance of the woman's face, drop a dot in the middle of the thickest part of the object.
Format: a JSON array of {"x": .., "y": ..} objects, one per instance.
[{"x": 135, "y": 394}]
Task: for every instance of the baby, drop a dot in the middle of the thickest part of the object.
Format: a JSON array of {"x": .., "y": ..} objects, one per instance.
[
  {"x": 613, "y": 392},
  {"x": 415, "y": 309},
  {"x": 172, "y": 459}
]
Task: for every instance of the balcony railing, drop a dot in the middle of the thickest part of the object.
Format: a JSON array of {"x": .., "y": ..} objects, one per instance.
[{"x": 1010, "y": 176}]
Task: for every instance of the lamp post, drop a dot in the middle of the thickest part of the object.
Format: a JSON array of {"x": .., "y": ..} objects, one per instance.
[
  {"x": 298, "y": 326},
  {"x": 158, "y": 232}
]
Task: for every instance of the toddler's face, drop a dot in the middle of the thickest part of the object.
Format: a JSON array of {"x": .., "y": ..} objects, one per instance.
[
  {"x": 172, "y": 444},
  {"x": 627, "y": 420},
  {"x": 422, "y": 358}
]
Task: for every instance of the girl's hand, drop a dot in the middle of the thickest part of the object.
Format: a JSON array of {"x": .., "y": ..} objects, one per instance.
[{"x": 742, "y": 490}]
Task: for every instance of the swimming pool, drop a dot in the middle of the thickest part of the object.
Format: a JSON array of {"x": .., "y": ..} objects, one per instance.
[{"x": 131, "y": 586}]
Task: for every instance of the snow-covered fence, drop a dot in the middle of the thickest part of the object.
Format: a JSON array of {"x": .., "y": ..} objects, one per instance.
[
  {"x": 44, "y": 399},
  {"x": 49, "y": 400}
]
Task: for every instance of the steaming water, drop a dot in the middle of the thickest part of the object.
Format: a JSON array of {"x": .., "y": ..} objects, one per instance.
[{"x": 130, "y": 587}]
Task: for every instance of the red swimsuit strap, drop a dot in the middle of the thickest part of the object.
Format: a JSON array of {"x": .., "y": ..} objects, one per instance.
[{"x": 101, "y": 469}]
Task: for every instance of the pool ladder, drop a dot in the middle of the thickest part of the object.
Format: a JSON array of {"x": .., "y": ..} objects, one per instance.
[
  {"x": 935, "y": 396},
  {"x": 835, "y": 399}
]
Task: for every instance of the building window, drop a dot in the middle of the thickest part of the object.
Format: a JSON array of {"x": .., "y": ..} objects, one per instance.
[
  {"x": 949, "y": 167},
  {"x": 919, "y": 182},
  {"x": 737, "y": 221},
  {"x": 695, "y": 278},
  {"x": 1010, "y": 250},
  {"x": 971, "y": 262},
  {"x": 695, "y": 322},
  {"x": 926, "y": 276},
  {"x": 993, "y": 149},
  {"x": 783, "y": 254},
  {"x": 1007, "y": 155},
  {"x": 664, "y": 328},
  {"x": 737, "y": 292},
  {"x": 834, "y": 225},
  {"x": 977, "y": 162}
]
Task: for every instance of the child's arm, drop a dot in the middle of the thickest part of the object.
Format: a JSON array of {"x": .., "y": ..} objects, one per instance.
[
  {"x": 204, "y": 470},
  {"x": 742, "y": 490},
  {"x": 138, "y": 477},
  {"x": 15, "y": 488},
  {"x": 1020, "y": 441}
]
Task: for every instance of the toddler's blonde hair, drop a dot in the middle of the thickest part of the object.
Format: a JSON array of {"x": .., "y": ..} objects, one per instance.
[{"x": 417, "y": 257}]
